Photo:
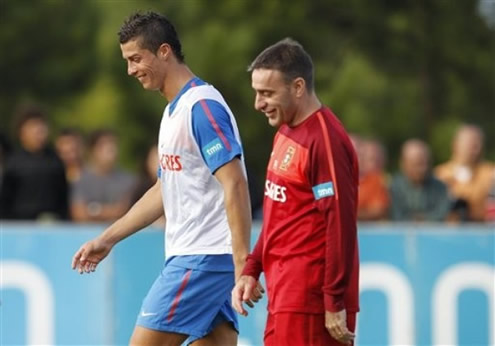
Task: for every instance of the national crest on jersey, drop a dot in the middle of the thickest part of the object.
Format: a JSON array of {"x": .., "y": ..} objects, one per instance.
[
  {"x": 288, "y": 159},
  {"x": 193, "y": 201}
]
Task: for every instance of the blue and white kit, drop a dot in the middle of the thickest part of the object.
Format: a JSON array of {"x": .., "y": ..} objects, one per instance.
[{"x": 198, "y": 135}]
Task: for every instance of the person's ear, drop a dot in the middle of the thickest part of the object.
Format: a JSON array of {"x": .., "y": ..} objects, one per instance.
[
  {"x": 164, "y": 51},
  {"x": 299, "y": 86}
]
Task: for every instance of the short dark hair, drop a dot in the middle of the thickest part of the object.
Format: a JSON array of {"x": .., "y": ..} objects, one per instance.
[
  {"x": 153, "y": 30},
  {"x": 289, "y": 57},
  {"x": 97, "y": 135},
  {"x": 70, "y": 131},
  {"x": 26, "y": 112}
]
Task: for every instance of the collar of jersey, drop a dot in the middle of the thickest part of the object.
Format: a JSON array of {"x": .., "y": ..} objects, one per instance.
[{"x": 195, "y": 81}]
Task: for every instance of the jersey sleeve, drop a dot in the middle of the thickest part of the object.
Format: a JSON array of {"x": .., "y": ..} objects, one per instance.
[
  {"x": 254, "y": 266},
  {"x": 334, "y": 179},
  {"x": 214, "y": 133}
]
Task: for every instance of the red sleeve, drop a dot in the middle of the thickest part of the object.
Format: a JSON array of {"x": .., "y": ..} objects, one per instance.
[
  {"x": 333, "y": 160},
  {"x": 254, "y": 265}
]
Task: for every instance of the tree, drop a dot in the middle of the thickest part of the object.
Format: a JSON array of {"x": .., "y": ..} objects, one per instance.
[
  {"x": 389, "y": 69},
  {"x": 48, "y": 54}
]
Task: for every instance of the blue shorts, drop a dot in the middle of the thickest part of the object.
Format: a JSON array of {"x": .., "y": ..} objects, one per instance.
[{"x": 189, "y": 297}]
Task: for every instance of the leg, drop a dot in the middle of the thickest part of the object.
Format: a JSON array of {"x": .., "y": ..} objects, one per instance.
[
  {"x": 145, "y": 336},
  {"x": 222, "y": 335},
  {"x": 158, "y": 323},
  {"x": 269, "y": 334}
]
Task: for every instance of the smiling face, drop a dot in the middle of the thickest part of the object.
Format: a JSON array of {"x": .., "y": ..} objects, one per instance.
[
  {"x": 147, "y": 67},
  {"x": 276, "y": 98}
]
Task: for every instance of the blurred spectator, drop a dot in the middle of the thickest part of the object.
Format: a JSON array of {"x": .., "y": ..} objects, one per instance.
[
  {"x": 70, "y": 148},
  {"x": 467, "y": 176},
  {"x": 415, "y": 194},
  {"x": 373, "y": 198},
  {"x": 256, "y": 193},
  {"x": 147, "y": 178},
  {"x": 490, "y": 203},
  {"x": 148, "y": 175},
  {"x": 104, "y": 191},
  {"x": 356, "y": 143},
  {"x": 4, "y": 152},
  {"x": 33, "y": 183}
]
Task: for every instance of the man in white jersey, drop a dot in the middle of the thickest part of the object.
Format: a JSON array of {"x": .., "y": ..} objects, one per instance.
[{"x": 201, "y": 190}]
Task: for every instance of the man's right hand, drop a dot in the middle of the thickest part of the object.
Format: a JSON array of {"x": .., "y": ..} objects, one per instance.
[
  {"x": 336, "y": 324},
  {"x": 89, "y": 255},
  {"x": 246, "y": 290}
]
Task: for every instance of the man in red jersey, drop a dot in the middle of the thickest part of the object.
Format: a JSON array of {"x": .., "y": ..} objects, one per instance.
[{"x": 308, "y": 244}]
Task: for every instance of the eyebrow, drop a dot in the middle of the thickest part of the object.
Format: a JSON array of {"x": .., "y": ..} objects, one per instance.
[
  {"x": 263, "y": 89},
  {"x": 131, "y": 57}
]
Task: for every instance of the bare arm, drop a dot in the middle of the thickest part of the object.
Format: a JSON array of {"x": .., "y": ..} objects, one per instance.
[
  {"x": 143, "y": 213},
  {"x": 238, "y": 209}
]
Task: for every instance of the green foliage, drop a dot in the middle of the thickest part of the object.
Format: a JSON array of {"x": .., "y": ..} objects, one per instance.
[
  {"x": 389, "y": 69},
  {"x": 48, "y": 52}
]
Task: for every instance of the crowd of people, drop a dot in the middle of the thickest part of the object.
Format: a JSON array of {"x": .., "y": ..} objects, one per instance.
[
  {"x": 459, "y": 190},
  {"x": 75, "y": 177},
  {"x": 96, "y": 189}
]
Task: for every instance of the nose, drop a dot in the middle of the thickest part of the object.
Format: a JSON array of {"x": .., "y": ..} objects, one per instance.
[
  {"x": 131, "y": 70},
  {"x": 259, "y": 103}
]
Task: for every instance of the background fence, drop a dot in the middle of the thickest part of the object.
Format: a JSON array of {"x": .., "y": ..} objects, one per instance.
[{"x": 428, "y": 284}]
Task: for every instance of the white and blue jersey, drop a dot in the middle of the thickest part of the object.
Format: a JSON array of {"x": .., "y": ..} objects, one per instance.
[
  {"x": 192, "y": 294},
  {"x": 198, "y": 134}
]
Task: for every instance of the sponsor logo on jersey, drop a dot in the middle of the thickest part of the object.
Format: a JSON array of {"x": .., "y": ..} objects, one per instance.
[
  {"x": 170, "y": 162},
  {"x": 289, "y": 154},
  {"x": 323, "y": 190},
  {"x": 275, "y": 192},
  {"x": 212, "y": 148}
]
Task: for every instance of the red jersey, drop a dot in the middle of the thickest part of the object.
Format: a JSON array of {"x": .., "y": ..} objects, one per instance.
[{"x": 308, "y": 243}]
